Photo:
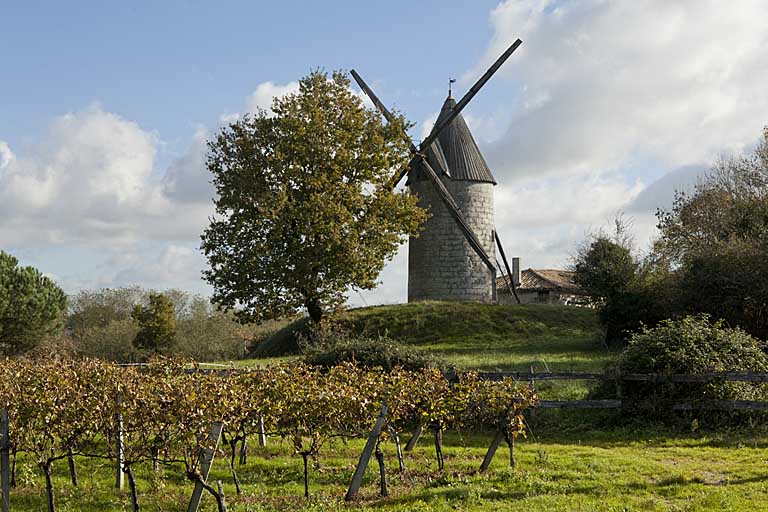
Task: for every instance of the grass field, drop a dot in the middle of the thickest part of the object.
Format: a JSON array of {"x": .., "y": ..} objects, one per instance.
[
  {"x": 590, "y": 460},
  {"x": 608, "y": 471},
  {"x": 478, "y": 336}
]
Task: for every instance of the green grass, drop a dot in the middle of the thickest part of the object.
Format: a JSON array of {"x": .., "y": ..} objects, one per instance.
[
  {"x": 607, "y": 471},
  {"x": 491, "y": 337},
  {"x": 479, "y": 337},
  {"x": 573, "y": 460},
  {"x": 476, "y": 336}
]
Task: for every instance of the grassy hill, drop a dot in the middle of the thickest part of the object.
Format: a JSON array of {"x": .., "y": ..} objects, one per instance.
[{"x": 475, "y": 336}]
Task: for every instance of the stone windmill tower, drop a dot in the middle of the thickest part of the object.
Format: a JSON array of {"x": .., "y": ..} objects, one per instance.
[
  {"x": 441, "y": 263},
  {"x": 454, "y": 257}
]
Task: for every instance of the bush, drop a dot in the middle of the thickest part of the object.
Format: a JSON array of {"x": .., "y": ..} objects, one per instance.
[
  {"x": 284, "y": 341},
  {"x": 381, "y": 352},
  {"x": 112, "y": 342},
  {"x": 692, "y": 345}
]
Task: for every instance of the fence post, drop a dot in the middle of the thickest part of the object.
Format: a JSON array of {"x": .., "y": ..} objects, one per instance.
[
  {"x": 119, "y": 455},
  {"x": 532, "y": 385},
  {"x": 206, "y": 458},
  {"x": 5, "y": 463},
  {"x": 365, "y": 457}
]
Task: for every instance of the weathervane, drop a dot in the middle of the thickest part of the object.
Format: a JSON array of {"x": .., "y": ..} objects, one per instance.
[{"x": 450, "y": 81}]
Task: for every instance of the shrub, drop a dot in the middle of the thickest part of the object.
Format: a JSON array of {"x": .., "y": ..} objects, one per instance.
[
  {"x": 157, "y": 324},
  {"x": 692, "y": 345},
  {"x": 112, "y": 342},
  {"x": 381, "y": 352},
  {"x": 284, "y": 341}
]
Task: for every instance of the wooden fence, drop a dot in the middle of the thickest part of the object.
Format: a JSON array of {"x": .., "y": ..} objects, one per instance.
[{"x": 655, "y": 378}]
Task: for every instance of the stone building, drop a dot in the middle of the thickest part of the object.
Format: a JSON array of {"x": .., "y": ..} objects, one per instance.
[
  {"x": 441, "y": 263},
  {"x": 542, "y": 286}
]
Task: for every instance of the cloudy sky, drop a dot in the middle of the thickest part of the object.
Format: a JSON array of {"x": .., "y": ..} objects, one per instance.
[{"x": 608, "y": 106}]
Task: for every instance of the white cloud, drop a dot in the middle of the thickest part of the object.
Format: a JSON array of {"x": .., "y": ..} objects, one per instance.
[
  {"x": 265, "y": 93},
  {"x": 599, "y": 82},
  {"x": 92, "y": 178},
  {"x": 559, "y": 202},
  {"x": 6, "y": 155},
  {"x": 187, "y": 180},
  {"x": 88, "y": 192},
  {"x": 261, "y": 99},
  {"x": 173, "y": 266}
]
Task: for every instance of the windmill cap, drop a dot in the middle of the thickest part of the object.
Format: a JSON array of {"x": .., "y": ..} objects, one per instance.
[{"x": 465, "y": 162}]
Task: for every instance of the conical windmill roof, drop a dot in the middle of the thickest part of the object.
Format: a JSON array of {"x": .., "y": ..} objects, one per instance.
[{"x": 465, "y": 162}]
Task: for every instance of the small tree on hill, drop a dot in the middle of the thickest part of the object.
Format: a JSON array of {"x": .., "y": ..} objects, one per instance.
[
  {"x": 31, "y": 306},
  {"x": 629, "y": 292},
  {"x": 605, "y": 268},
  {"x": 303, "y": 203},
  {"x": 157, "y": 324}
]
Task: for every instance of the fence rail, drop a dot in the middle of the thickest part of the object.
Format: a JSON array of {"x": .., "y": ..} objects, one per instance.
[
  {"x": 637, "y": 377},
  {"x": 655, "y": 378}
]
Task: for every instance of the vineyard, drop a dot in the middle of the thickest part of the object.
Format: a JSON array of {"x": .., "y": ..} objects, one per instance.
[{"x": 171, "y": 416}]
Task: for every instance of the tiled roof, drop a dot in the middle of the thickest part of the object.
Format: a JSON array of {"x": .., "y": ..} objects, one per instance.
[{"x": 541, "y": 280}]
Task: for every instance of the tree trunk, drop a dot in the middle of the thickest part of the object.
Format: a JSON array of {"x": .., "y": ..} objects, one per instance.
[
  {"x": 306, "y": 475},
  {"x": 244, "y": 450},
  {"x": 219, "y": 497},
  {"x": 49, "y": 486},
  {"x": 72, "y": 468},
  {"x": 314, "y": 309},
  {"x": 223, "y": 506},
  {"x": 232, "y": 455},
  {"x": 382, "y": 469},
  {"x": 13, "y": 467},
  {"x": 155, "y": 460},
  {"x": 128, "y": 468},
  {"x": 510, "y": 438},
  {"x": 439, "y": 447}
]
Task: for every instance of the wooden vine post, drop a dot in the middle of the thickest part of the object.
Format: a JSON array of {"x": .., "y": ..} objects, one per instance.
[
  {"x": 491, "y": 451},
  {"x": 262, "y": 431},
  {"x": 365, "y": 457},
  {"x": 119, "y": 449},
  {"x": 5, "y": 466},
  {"x": 414, "y": 438},
  {"x": 206, "y": 459}
]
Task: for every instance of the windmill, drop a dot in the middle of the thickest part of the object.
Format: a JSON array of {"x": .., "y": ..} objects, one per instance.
[{"x": 443, "y": 266}]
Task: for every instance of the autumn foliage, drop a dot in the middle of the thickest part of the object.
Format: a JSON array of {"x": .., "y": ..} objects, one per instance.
[{"x": 63, "y": 408}]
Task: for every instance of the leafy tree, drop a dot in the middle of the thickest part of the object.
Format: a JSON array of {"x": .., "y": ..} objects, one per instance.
[
  {"x": 100, "y": 307},
  {"x": 629, "y": 292},
  {"x": 157, "y": 323},
  {"x": 206, "y": 334},
  {"x": 605, "y": 268},
  {"x": 716, "y": 241},
  {"x": 304, "y": 210},
  {"x": 31, "y": 306}
]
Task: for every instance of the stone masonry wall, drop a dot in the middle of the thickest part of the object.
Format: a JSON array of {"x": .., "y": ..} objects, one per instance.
[{"x": 441, "y": 264}]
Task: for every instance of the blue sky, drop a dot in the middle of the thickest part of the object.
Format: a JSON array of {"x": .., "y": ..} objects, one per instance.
[
  {"x": 172, "y": 65},
  {"x": 105, "y": 108}
]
